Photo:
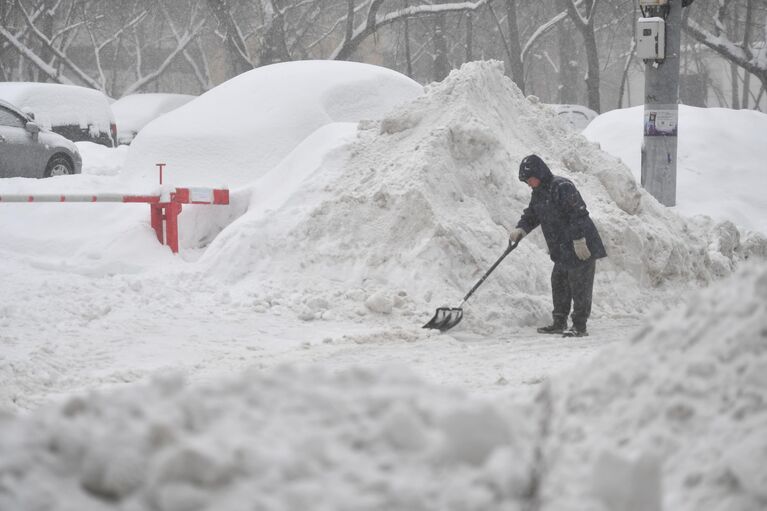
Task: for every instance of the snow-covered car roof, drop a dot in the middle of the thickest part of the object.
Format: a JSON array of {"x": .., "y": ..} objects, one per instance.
[
  {"x": 575, "y": 116},
  {"x": 134, "y": 111},
  {"x": 55, "y": 104},
  {"x": 241, "y": 129}
]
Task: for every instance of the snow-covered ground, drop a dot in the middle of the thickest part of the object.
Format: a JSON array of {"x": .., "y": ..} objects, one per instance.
[{"x": 278, "y": 362}]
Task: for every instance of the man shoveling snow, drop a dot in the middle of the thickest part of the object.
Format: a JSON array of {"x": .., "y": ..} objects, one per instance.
[{"x": 571, "y": 237}]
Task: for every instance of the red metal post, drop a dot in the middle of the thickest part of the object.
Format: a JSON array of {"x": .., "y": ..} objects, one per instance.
[
  {"x": 156, "y": 217},
  {"x": 172, "y": 211},
  {"x": 161, "y": 165}
]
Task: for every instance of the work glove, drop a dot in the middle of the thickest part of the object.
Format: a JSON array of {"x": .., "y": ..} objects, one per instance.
[
  {"x": 516, "y": 235},
  {"x": 581, "y": 249}
]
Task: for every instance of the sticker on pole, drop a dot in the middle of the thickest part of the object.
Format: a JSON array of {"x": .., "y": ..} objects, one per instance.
[{"x": 661, "y": 122}]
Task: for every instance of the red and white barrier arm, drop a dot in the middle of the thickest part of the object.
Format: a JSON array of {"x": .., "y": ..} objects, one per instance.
[
  {"x": 76, "y": 197},
  {"x": 201, "y": 196},
  {"x": 179, "y": 196},
  {"x": 165, "y": 206}
]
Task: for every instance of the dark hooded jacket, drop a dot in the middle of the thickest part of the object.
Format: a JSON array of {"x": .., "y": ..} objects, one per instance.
[{"x": 558, "y": 208}]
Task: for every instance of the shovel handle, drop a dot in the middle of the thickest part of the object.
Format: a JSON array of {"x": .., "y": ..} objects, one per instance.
[{"x": 508, "y": 250}]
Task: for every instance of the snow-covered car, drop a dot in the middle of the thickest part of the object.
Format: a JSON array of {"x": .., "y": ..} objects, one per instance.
[
  {"x": 576, "y": 117},
  {"x": 77, "y": 113},
  {"x": 27, "y": 150},
  {"x": 134, "y": 111},
  {"x": 240, "y": 130}
]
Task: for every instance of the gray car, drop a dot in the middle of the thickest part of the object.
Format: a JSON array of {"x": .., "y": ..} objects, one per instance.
[{"x": 26, "y": 150}]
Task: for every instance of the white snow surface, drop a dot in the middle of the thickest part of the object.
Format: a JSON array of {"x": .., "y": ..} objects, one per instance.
[
  {"x": 247, "y": 125},
  {"x": 278, "y": 362},
  {"x": 721, "y": 159}
]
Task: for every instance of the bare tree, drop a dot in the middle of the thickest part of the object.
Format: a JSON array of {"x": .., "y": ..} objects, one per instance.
[
  {"x": 374, "y": 21},
  {"x": 584, "y": 17},
  {"x": 748, "y": 53},
  {"x": 237, "y": 55},
  {"x": 83, "y": 42}
]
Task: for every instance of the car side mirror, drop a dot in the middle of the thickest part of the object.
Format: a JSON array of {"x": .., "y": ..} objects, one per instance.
[{"x": 32, "y": 127}]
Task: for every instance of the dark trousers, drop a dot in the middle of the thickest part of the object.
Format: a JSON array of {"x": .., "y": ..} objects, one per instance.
[{"x": 573, "y": 285}]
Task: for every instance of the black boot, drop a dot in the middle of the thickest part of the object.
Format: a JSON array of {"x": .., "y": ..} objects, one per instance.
[
  {"x": 557, "y": 327},
  {"x": 576, "y": 331}
]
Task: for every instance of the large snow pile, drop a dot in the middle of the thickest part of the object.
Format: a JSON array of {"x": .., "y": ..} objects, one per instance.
[
  {"x": 716, "y": 156},
  {"x": 238, "y": 131},
  {"x": 287, "y": 440},
  {"x": 676, "y": 416},
  {"x": 422, "y": 206}
]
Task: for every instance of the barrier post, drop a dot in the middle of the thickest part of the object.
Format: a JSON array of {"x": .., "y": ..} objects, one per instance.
[
  {"x": 156, "y": 220},
  {"x": 172, "y": 210}
]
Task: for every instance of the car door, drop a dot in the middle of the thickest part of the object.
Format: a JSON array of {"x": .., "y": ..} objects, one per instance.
[{"x": 18, "y": 148}]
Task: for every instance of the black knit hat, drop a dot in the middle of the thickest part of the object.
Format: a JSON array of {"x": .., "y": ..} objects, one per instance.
[{"x": 533, "y": 166}]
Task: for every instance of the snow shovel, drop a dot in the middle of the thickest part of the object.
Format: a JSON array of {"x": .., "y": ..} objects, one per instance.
[{"x": 447, "y": 317}]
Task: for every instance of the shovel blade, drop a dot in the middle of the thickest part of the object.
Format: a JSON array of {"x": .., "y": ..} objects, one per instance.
[{"x": 445, "y": 318}]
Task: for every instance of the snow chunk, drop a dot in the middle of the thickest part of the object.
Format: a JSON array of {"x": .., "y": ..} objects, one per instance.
[
  {"x": 688, "y": 391},
  {"x": 380, "y": 302},
  {"x": 283, "y": 440}
]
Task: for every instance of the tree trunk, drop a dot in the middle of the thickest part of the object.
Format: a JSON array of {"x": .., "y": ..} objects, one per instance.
[
  {"x": 625, "y": 75},
  {"x": 469, "y": 36},
  {"x": 747, "y": 48},
  {"x": 274, "y": 48},
  {"x": 236, "y": 52},
  {"x": 586, "y": 27},
  {"x": 734, "y": 100},
  {"x": 592, "y": 78},
  {"x": 408, "y": 56},
  {"x": 46, "y": 27},
  {"x": 568, "y": 62},
  {"x": 515, "y": 48},
  {"x": 441, "y": 64}
]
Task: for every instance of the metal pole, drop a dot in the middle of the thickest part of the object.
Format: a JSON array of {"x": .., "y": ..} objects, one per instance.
[{"x": 661, "y": 114}]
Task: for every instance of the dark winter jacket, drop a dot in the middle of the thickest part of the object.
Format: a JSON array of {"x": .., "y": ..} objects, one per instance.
[{"x": 559, "y": 209}]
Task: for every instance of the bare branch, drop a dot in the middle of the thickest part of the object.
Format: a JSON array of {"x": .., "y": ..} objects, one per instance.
[
  {"x": 729, "y": 50},
  {"x": 203, "y": 78},
  {"x": 64, "y": 60},
  {"x": 187, "y": 38},
  {"x": 30, "y": 55},
  {"x": 541, "y": 31},
  {"x": 373, "y": 22}
]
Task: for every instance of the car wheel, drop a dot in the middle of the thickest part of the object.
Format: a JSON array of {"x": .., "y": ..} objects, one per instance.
[{"x": 59, "y": 166}]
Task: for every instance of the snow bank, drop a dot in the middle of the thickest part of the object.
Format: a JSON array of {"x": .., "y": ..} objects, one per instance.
[
  {"x": 421, "y": 205},
  {"x": 680, "y": 407},
  {"x": 719, "y": 150},
  {"x": 238, "y": 131},
  {"x": 287, "y": 440},
  {"x": 102, "y": 161}
]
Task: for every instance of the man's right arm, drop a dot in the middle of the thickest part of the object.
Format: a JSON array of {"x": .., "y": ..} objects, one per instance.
[
  {"x": 529, "y": 220},
  {"x": 527, "y": 223}
]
